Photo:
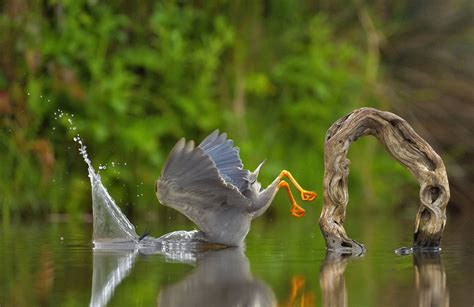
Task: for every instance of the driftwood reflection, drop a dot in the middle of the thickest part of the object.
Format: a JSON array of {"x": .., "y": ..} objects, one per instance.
[
  {"x": 331, "y": 278},
  {"x": 430, "y": 280},
  {"x": 221, "y": 278}
]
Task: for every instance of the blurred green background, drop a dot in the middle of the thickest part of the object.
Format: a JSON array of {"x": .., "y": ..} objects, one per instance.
[{"x": 132, "y": 78}]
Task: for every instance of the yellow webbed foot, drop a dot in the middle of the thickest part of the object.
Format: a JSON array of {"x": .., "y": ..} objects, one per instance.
[
  {"x": 308, "y": 195},
  {"x": 297, "y": 211}
]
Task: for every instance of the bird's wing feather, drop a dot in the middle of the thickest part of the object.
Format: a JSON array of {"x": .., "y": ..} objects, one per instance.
[
  {"x": 191, "y": 184},
  {"x": 226, "y": 158}
]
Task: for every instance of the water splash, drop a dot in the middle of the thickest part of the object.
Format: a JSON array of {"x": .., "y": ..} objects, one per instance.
[
  {"x": 111, "y": 226},
  {"x": 113, "y": 230}
]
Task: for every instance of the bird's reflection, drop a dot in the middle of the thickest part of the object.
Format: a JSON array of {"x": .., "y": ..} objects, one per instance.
[
  {"x": 222, "y": 277},
  {"x": 430, "y": 279},
  {"x": 331, "y": 278}
]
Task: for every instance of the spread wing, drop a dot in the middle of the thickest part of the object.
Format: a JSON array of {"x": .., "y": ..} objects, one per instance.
[
  {"x": 190, "y": 183},
  {"x": 226, "y": 158}
]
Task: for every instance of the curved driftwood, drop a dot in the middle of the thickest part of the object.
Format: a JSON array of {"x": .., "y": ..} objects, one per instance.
[{"x": 404, "y": 145}]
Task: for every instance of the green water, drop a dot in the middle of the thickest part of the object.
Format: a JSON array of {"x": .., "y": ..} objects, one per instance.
[{"x": 284, "y": 264}]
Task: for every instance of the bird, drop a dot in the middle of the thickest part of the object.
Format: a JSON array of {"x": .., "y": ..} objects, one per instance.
[{"x": 209, "y": 185}]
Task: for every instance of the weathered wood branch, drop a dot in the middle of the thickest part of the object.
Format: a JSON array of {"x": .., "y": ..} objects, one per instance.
[{"x": 407, "y": 147}]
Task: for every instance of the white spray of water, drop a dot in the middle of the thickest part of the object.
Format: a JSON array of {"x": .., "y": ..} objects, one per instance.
[
  {"x": 112, "y": 229},
  {"x": 110, "y": 224}
]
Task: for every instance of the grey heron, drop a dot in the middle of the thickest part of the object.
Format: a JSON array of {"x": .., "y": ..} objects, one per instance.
[{"x": 208, "y": 184}]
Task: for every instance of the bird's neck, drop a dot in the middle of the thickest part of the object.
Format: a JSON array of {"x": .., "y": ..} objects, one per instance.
[{"x": 264, "y": 198}]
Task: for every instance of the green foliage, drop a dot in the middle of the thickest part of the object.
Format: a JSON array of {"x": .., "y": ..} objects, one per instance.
[{"x": 131, "y": 82}]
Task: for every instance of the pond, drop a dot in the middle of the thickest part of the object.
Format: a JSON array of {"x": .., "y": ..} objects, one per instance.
[{"x": 284, "y": 263}]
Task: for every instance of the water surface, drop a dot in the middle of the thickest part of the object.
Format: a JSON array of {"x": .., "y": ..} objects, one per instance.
[{"x": 283, "y": 264}]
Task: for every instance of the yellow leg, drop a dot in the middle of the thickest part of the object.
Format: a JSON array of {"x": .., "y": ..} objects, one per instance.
[
  {"x": 296, "y": 210},
  {"x": 297, "y": 282},
  {"x": 305, "y": 195},
  {"x": 297, "y": 285}
]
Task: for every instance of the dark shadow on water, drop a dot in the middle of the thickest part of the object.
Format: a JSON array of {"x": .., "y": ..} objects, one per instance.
[{"x": 221, "y": 278}]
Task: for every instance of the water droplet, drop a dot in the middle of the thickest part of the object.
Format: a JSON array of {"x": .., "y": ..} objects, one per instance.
[
  {"x": 62, "y": 238},
  {"x": 28, "y": 93}
]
